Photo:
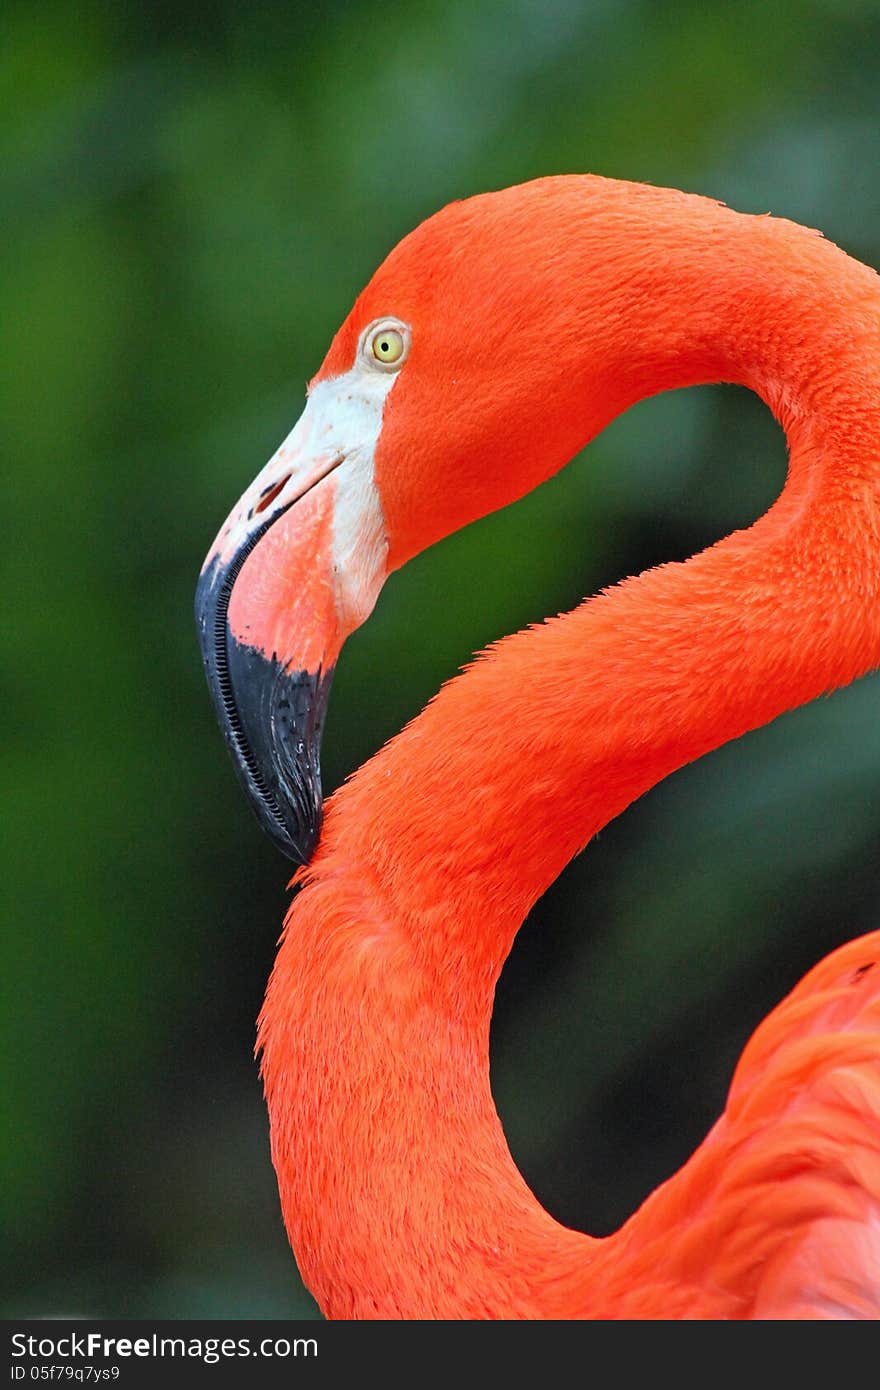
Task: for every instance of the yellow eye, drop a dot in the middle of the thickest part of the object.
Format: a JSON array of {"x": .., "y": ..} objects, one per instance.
[{"x": 387, "y": 346}]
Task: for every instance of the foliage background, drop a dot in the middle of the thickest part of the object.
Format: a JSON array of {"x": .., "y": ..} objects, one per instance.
[{"x": 191, "y": 201}]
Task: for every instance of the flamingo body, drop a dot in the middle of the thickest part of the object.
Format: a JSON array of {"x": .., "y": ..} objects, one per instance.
[{"x": 525, "y": 321}]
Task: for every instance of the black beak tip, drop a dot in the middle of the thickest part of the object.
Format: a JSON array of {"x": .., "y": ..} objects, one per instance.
[
  {"x": 272, "y": 719},
  {"x": 297, "y": 842}
]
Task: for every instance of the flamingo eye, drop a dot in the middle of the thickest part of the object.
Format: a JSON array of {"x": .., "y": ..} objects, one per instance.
[{"x": 386, "y": 345}]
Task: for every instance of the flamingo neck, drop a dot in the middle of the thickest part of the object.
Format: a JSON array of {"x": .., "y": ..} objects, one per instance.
[
  {"x": 400, "y": 1195},
  {"x": 474, "y": 809}
]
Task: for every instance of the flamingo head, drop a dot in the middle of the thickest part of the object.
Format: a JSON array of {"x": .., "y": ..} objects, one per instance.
[{"x": 457, "y": 382}]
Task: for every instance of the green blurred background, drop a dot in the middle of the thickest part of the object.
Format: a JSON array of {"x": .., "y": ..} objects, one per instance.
[{"x": 190, "y": 202}]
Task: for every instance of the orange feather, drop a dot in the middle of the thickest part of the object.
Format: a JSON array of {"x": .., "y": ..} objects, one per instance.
[{"x": 538, "y": 313}]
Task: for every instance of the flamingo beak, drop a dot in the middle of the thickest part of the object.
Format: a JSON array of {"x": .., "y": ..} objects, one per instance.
[{"x": 297, "y": 565}]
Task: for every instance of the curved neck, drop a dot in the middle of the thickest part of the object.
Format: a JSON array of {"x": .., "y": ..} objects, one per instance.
[
  {"x": 473, "y": 810},
  {"x": 399, "y": 1193}
]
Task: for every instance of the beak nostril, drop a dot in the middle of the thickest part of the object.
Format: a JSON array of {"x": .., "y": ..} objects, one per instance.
[{"x": 268, "y": 495}]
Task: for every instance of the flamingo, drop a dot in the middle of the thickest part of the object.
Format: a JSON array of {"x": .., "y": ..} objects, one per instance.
[{"x": 490, "y": 346}]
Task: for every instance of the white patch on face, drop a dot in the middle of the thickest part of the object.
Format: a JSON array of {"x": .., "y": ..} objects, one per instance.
[{"x": 336, "y": 435}]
